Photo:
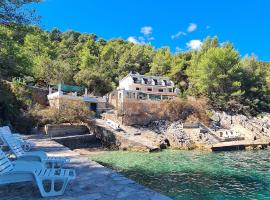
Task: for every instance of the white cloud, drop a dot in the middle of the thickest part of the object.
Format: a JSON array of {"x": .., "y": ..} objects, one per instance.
[
  {"x": 177, "y": 35},
  {"x": 133, "y": 40},
  {"x": 146, "y": 30},
  {"x": 140, "y": 38},
  {"x": 178, "y": 49},
  {"x": 194, "y": 44},
  {"x": 192, "y": 27},
  {"x": 143, "y": 39}
]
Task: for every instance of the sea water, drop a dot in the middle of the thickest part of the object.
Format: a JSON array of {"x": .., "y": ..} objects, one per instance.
[{"x": 194, "y": 174}]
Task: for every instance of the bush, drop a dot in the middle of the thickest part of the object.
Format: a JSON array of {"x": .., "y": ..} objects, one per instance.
[
  {"x": 14, "y": 105},
  {"x": 136, "y": 112},
  {"x": 70, "y": 112},
  {"x": 24, "y": 123},
  {"x": 22, "y": 93},
  {"x": 9, "y": 106}
]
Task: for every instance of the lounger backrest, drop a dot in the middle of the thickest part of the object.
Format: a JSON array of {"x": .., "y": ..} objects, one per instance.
[
  {"x": 6, "y": 129},
  {"x": 12, "y": 143},
  {"x": 5, "y": 164}
]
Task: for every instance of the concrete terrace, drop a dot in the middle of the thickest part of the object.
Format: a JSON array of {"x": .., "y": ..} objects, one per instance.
[{"x": 93, "y": 182}]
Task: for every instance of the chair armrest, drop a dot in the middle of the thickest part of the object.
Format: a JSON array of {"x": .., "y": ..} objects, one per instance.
[
  {"x": 29, "y": 166},
  {"x": 41, "y": 154}
]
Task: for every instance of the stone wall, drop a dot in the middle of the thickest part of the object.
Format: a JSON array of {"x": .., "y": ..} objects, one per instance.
[
  {"x": 65, "y": 130},
  {"x": 81, "y": 141}
]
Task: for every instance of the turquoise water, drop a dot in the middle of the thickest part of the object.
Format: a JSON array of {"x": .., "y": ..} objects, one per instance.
[{"x": 196, "y": 175}]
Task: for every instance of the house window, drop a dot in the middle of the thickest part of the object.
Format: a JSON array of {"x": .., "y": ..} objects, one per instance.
[
  {"x": 145, "y": 80},
  {"x": 149, "y": 89},
  {"x": 165, "y": 82},
  {"x": 170, "y": 89},
  {"x": 160, "y": 90},
  {"x": 137, "y": 88},
  {"x": 135, "y": 80}
]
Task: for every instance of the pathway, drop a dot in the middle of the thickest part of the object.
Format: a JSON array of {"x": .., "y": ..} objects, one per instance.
[{"x": 93, "y": 182}]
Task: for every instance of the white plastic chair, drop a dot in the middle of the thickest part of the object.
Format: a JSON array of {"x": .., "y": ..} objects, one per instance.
[
  {"x": 40, "y": 156},
  {"x": 21, "y": 171},
  {"x": 26, "y": 145}
]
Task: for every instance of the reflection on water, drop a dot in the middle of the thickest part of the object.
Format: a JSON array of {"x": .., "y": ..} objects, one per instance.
[{"x": 196, "y": 175}]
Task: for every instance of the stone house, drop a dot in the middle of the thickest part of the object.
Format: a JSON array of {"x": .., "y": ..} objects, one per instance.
[
  {"x": 66, "y": 93},
  {"x": 141, "y": 87}
]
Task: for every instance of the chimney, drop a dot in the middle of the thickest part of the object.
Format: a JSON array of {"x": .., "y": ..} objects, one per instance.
[{"x": 59, "y": 87}]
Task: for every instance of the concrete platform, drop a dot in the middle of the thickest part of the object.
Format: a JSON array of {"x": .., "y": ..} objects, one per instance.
[
  {"x": 238, "y": 145},
  {"x": 93, "y": 182}
]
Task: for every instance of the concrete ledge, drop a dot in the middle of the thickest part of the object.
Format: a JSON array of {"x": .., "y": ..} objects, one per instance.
[{"x": 65, "y": 130}]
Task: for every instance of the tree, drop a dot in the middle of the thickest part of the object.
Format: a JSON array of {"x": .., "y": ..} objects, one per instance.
[
  {"x": 254, "y": 78},
  {"x": 55, "y": 35},
  {"x": 95, "y": 81},
  {"x": 179, "y": 64},
  {"x": 53, "y": 71},
  {"x": 215, "y": 75},
  {"x": 11, "y": 12},
  {"x": 161, "y": 64},
  {"x": 13, "y": 62}
]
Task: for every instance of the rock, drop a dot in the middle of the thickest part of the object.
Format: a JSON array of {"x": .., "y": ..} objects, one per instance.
[
  {"x": 259, "y": 126},
  {"x": 177, "y": 136},
  {"x": 159, "y": 127}
]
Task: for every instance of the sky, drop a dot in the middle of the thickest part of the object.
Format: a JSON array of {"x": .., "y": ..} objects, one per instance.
[{"x": 178, "y": 24}]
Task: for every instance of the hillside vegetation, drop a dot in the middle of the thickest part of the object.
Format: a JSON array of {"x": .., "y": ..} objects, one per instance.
[{"x": 215, "y": 72}]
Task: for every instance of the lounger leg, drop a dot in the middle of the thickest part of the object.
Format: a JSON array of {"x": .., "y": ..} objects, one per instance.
[
  {"x": 61, "y": 191},
  {"x": 52, "y": 191},
  {"x": 41, "y": 188}
]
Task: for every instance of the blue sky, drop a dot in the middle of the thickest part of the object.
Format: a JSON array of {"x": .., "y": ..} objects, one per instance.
[{"x": 179, "y": 24}]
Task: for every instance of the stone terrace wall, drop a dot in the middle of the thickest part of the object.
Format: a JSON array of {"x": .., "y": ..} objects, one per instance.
[{"x": 65, "y": 130}]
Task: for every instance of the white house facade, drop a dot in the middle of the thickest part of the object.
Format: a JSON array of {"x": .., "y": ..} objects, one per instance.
[{"x": 142, "y": 87}]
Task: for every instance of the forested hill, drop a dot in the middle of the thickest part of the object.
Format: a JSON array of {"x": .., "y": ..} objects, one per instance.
[{"x": 215, "y": 71}]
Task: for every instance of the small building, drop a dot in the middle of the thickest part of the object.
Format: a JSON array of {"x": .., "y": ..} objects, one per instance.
[
  {"x": 65, "y": 93},
  {"x": 141, "y": 87}
]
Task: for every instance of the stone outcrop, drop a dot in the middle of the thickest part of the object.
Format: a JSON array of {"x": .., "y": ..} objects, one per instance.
[
  {"x": 250, "y": 127},
  {"x": 177, "y": 137}
]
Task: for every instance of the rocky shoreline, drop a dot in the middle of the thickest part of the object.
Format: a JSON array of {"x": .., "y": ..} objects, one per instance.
[
  {"x": 188, "y": 136},
  {"x": 163, "y": 134}
]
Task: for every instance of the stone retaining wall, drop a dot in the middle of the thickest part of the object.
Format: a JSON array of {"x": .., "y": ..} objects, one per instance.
[
  {"x": 65, "y": 130},
  {"x": 117, "y": 139},
  {"x": 79, "y": 141}
]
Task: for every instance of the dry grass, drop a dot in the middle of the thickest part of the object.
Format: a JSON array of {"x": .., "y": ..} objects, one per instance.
[{"x": 136, "y": 112}]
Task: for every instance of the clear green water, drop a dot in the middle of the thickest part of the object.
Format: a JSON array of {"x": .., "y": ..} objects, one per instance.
[{"x": 196, "y": 175}]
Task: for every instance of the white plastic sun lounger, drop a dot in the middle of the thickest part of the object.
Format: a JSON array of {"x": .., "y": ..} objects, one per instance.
[
  {"x": 39, "y": 156},
  {"x": 21, "y": 171},
  {"x": 26, "y": 145}
]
